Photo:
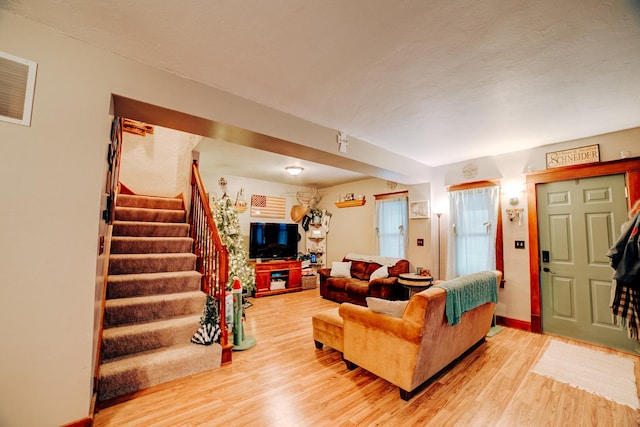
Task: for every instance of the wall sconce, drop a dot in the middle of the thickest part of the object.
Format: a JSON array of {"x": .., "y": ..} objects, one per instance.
[
  {"x": 294, "y": 170},
  {"x": 513, "y": 190},
  {"x": 515, "y": 214}
]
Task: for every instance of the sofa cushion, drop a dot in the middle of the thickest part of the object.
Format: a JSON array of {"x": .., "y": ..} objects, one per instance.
[
  {"x": 359, "y": 270},
  {"x": 341, "y": 269},
  {"x": 327, "y": 328},
  {"x": 400, "y": 267},
  {"x": 383, "y": 306},
  {"x": 380, "y": 273},
  {"x": 357, "y": 287},
  {"x": 338, "y": 283}
]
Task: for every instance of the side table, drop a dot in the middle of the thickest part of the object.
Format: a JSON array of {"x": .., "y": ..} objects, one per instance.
[{"x": 414, "y": 283}]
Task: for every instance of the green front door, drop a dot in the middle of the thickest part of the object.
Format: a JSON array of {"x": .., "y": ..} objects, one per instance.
[{"x": 579, "y": 220}]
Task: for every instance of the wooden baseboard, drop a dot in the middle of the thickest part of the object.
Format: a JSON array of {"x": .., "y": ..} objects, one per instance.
[
  {"x": 85, "y": 422},
  {"x": 513, "y": 323},
  {"x": 125, "y": 190}
]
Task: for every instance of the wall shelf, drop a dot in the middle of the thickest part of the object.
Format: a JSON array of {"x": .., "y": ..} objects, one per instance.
[{"x": 350, "y": 203}]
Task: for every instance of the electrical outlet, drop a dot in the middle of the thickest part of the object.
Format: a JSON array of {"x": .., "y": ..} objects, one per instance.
[
  {"x": 420, "y": 242},
  {"x": 519, "y": 244}
]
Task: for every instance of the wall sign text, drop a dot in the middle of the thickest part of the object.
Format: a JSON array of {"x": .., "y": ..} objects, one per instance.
[{"x": 573, "y": 156}]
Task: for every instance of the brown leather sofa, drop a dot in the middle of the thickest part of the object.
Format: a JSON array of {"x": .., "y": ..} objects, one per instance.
[{"x": 357, "y": 288}]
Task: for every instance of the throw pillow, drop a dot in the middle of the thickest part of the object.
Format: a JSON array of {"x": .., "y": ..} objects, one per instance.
[
  {"x": 341, "y": 269},
  {"x": 383, "y": 306},
  {"x": 381, "y": 273}
]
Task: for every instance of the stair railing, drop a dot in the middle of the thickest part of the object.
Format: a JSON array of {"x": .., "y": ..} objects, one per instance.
[{"x": 213, "y": 256}]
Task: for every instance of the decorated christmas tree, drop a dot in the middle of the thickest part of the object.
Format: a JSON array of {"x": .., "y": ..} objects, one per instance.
[{"x": 229, "y": 228}]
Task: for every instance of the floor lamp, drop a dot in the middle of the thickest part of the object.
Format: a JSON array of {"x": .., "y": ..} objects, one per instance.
[{"x": 439, "y": 260}]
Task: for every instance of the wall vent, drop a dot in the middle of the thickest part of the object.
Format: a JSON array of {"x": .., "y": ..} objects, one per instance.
[{"x": 17, "y": 84}]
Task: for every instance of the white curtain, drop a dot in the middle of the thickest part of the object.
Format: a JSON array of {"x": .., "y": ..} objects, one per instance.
[
  {"x": 472, "y": 230},
  {"x": 391, "y": 222}
]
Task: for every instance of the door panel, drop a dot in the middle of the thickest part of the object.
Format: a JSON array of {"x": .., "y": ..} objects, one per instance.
[
  {"x": 578, "y": 221},
  {"x": 599, "y": 224},
  {"x": 600, "y": 306},
  {"x": 561, "y": 250},
  {"x": 563, "y": 298}
]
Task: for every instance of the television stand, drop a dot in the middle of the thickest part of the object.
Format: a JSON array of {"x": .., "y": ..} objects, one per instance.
[{"x": 277, "y": 277}]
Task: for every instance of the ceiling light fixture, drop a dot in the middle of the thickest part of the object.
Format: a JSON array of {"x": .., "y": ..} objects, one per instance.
[{"x": 294, "y": 170}]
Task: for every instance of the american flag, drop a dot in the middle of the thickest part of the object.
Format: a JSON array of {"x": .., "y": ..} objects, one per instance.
[{"x": 267, "y": 206}]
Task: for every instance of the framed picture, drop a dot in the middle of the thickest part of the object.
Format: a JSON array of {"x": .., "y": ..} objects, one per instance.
[
  {"x": 348, "y": 197},
  {"x": 419, "y": 209}
]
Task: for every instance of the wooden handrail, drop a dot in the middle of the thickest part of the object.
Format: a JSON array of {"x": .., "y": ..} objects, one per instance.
[{"x": 213, "y": 256}]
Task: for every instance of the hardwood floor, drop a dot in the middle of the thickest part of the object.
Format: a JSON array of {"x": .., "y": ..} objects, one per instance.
[{"x": 285, "y": 381}]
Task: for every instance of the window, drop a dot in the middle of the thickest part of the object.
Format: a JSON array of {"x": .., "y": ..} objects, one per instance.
[
  {"x": 474, "y": 230},
  {"x": 391, "y": 222}
]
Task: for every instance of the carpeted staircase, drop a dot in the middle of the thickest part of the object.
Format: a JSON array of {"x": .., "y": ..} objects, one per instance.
[{"x": 153, "y": 299}]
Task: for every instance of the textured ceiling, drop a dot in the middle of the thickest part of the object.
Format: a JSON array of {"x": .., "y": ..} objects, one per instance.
[{"x": 437, "y": 81}]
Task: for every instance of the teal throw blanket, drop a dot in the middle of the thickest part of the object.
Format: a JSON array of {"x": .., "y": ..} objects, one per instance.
[{"x": 467, "y": 292}]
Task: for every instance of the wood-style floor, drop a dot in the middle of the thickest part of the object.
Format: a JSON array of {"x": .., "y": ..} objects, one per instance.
[{"x": 285, "y": 381}]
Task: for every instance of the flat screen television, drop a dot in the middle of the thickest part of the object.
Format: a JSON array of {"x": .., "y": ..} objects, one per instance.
[{"x": 273, "y": 240}]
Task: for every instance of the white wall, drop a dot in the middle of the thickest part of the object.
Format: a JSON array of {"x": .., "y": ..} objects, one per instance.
[
  {"x": 158, "y": 164},
  {"x": 51, "y": 184},
  {"x": 252, "y": 186},
  {"x": 352, "y": 228},
  {"x": 515, "y": 298},
  {"x": 420, "y": 256},
  {"x": 51, "y": 176}
]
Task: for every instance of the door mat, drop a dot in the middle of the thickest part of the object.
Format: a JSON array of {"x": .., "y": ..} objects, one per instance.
[{"x": 607, "y": 375}]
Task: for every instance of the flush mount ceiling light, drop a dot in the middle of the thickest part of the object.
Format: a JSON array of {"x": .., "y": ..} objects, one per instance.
[{"x": 294, "y": 170}]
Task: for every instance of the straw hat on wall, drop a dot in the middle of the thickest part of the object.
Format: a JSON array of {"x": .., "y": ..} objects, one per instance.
[{"x": 298, "y": 212}]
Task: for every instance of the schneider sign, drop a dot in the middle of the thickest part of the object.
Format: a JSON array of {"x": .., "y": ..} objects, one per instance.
[{"x": 574, "y": 156}]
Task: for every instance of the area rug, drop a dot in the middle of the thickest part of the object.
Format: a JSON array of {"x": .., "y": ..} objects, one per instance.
[{"x": 607, "y": 375}]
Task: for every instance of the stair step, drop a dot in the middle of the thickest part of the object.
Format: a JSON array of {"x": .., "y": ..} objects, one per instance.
[
  {"x": 135, "y": 285},
  {"x": 147, "y": 245},
  {"x": 126, "y": 311},
  {"x": 154, "y": 303},
  {"x": 150, "y": 215},
  {"x": 143, "y": 370},
  {"x": 150, "y": 229},
  {"x": 140, "y": 337},
  {"x": 151, "y": 263},
  {"x": 155, "y": 202}
]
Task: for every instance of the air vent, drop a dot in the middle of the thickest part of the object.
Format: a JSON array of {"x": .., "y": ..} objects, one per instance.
[{"x": 17, "y": 83}]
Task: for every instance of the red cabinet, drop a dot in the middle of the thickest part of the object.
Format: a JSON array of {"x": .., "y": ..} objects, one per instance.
[{"x": 277, "y": 277}]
